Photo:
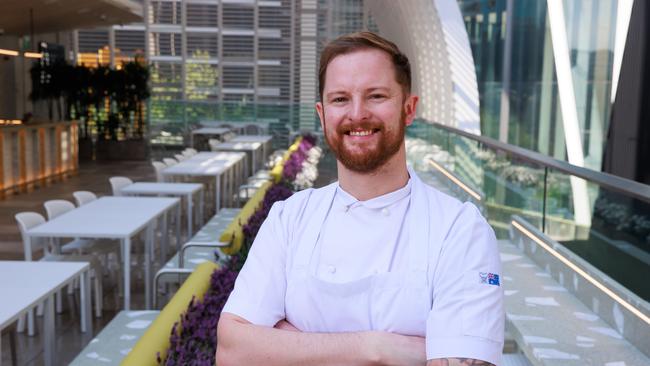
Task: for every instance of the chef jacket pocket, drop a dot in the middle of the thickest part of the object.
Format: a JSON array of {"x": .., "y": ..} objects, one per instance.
[
  {"x": 400, "y": 303},
  {"x": 482, "y": 305}
]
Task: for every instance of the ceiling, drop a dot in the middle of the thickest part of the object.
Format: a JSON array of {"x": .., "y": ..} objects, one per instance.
[{"x": 61, "y": 15}]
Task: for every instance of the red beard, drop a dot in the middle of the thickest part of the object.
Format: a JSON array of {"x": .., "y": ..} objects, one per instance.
[{"x": 372, "y": 158}]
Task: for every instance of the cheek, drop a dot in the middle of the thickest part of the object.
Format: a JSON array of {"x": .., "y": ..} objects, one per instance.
[{"x": 332, "y": 116}]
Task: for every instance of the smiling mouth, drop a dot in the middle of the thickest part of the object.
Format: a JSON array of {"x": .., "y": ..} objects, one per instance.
[{"x": 361, "y": 133}]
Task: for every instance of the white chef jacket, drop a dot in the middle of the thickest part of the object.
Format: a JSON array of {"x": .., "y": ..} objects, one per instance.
[{"x": 413, "y": 262}]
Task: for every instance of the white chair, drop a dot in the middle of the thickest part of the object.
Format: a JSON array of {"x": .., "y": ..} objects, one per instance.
[
  {"x": 253, "y": 129},
  {"x": 158, "y": 167},
  {"x": 180, "y": 157},
  {"x": 54, "y": 208},
  {"x": 78, "y": 246},
  {"x": 117, "y": 183},
  {"x": 28, "y": 220},
  {"x": 187, "y": 153},
  {"x": 192, "y": 150},
  {"x": 83, "y": 197},
  {"x": 170, "y": 161}
]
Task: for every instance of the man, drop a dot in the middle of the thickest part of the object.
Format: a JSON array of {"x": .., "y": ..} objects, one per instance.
[{"x": 378, "y": 268}]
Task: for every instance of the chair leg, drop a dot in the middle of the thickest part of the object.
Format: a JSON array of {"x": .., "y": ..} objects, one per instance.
[
  {"x": 59, "y": 302},
  {"x": 20, "y": 327},
  {"x": 98, "y": 296}
]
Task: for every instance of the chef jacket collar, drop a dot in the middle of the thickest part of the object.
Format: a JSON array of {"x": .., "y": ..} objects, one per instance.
[{"x": 344, "y": 198}]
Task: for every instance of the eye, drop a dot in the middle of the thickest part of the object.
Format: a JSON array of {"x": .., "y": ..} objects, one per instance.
[
  {"x": 338, "y": 100},
  {"x": 377, "y": 96}
]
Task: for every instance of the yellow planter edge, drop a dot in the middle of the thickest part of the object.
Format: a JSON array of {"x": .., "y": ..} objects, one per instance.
[
  {"x": 156, "y": 338},
  {"x": 234, "y": 233}
]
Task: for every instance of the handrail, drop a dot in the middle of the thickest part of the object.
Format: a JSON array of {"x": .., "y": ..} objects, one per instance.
[{"x": 615, "y": 183}]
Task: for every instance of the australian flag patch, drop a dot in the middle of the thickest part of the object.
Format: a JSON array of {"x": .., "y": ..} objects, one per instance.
[{"x": 489, "y": 278}]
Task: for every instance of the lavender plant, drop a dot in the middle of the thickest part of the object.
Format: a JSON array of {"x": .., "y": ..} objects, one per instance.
[{"x": 193, "y": 339}]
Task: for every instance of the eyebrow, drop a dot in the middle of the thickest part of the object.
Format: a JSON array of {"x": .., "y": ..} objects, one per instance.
[{"x": 369, "y": 90}]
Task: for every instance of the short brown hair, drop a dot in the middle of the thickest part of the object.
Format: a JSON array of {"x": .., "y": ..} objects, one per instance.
[{"x": 365, "y": 40}]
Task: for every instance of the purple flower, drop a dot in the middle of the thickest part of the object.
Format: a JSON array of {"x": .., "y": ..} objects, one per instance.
[{"x": 193, "y": 339}]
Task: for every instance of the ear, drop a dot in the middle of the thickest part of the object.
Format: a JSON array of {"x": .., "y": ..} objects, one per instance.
[
  {"x": 410, "y": 105},
  {"x": 321, "y": 115}
]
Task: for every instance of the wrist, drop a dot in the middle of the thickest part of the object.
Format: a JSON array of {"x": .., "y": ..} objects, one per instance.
[{"x": 372, "y": 348}]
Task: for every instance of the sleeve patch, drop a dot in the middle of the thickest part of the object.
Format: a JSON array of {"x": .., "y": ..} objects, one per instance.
[{"x": 487, "y": 278}]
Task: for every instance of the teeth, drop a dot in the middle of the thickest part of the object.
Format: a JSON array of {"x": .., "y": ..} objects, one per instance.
[{"x": 360, "y": 133}]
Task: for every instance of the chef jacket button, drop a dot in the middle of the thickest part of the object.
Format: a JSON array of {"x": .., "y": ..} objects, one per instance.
[
  {"x": 345, "y": 208},
  {"x": 385, "y": 212},
  {"x": 331, "y": 269}
]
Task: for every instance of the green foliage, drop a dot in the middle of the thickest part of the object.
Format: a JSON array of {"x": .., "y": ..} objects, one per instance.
[{"x": 111, "y": 99}]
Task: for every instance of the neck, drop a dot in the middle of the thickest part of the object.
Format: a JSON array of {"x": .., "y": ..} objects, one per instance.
[{"x": 388, "y": 178}]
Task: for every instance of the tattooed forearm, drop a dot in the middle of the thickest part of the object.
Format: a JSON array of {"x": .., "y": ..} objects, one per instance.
[{"x": 457, "y": 362}]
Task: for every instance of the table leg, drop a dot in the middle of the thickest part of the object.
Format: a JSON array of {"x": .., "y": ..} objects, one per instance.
[
  {"x": 217, "y": 193},
  {"x": 229, "y": 181},
  {"x": 147, "y": 265},
  {"x": 165, "y": 239},
  {"x": 190, "y": 198},
  {"x": 253, "y": 162},
  {"x": 178, "y": 229},
  {"x": 85, "y": 303},
  {"x": 48, "y": 331},
  {"x": 126, "y": 256},
  {"x": 201, "y": 205}
]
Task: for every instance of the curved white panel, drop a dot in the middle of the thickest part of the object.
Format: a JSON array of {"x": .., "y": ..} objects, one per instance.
[{"x": 432, "y": 34}]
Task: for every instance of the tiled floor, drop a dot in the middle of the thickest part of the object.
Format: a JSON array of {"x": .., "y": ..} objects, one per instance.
[{"x": 92, "y": 177}]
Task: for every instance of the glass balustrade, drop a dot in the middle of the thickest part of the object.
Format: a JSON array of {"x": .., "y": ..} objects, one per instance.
[{"x": 602, "y": 218}]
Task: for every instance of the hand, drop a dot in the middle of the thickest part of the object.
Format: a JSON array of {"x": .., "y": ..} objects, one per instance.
[
  {"x": 285, "y": 325},
  {"x": 398, "y": 350}
]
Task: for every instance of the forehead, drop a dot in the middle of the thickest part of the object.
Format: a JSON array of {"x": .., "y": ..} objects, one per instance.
[{"x": 359, "y": 69}]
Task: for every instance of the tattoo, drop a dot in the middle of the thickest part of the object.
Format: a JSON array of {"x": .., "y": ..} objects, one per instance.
[{"x": 458, "y": 362}]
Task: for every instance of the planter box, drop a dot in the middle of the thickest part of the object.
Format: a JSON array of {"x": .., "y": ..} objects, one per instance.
[{"x": 108, "y": 150}]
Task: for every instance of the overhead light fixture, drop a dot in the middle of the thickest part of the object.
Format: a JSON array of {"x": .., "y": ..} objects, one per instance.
[
  {"x": 8, "y": 52},
  {"x": 33, "y": 55}
]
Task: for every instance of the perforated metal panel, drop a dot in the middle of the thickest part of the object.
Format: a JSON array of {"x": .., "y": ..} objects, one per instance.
[
  {"x": 238, "y": 16},
  {"x": 238, "y": 47},
  {"x": 130, "y": 42},
  {"x": 202, "y": 14},
  {"x": 238, "y": 77},
  {"x": 165, "y": 44},
  {"x": 92, "y": 40},
  {"x": 202, "y": 45},
  {"x": 165, "y": 12}
]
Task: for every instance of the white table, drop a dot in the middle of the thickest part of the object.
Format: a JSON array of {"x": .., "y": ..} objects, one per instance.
[
  {"x": 209, "y": 164},
  {"x": 187, "y": 190},
  {"x": 210, "y": 131},
  {"x": 252, "y": 138},
  {"x": 251, "y": 147},
  {"x": 114, "y": 218},
  {"x": 24, "y": 285},
  {"x": 265, "y": 140}
]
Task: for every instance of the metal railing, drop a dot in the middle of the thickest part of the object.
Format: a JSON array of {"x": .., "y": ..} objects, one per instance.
[{"x": 603, "y": 218}]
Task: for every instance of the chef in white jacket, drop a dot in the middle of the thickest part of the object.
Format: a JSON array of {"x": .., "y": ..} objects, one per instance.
[{"x": 377, "y": 268}]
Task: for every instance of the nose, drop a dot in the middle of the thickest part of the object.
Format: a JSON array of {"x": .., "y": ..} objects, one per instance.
[{"x": 358, "y": 110}]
